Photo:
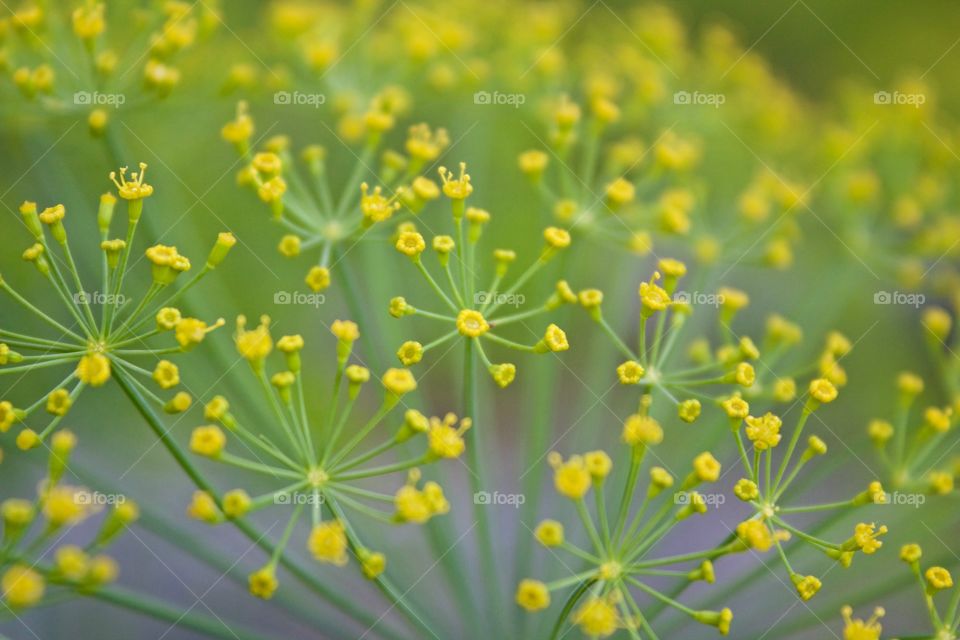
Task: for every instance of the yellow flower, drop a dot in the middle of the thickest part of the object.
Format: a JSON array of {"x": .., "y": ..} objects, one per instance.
[
  {"x": 443, "y": 439},
  {"x": 254, "y": 344},
  {"x": 719, "y": 619},
  {"x": 556, "y": 237},
  {"x": 28, "y": 439},
  {"x": 549, "y": 533},
  {"x": 443, "y": 245},
  {"x": 807, "y": 586},
  {"x": 263, "y": 582},
  {"x": 345, "y": 331},
  {"x": 941, "y": 482},
  {"x": 399, "y": 381},
  {"x": 22, "y": 586},
  {"x": 689, "y": 410},
  {"x": 630, "y": 372},
  {"x": 533, "y": 595},
  {"x": 553, "y": 340},
  {"x": 590, "y": 298},
  {"x": 732, "y": 299},
  {"x": 72, "y": 562},
  {"x": 938, "y": 419},
  {"x": 938, "y": 578},
  {"x": 168, "y": 318},
  {"x": 744, "y": 375},
  {"x": 620, "y": 192},
  {"x": 236, "y": 503},
  {"x": 822, "y": 390},
  {"x": 328, "y": 543},
  {"x": 202, "y": 507},
  {"x": 857, "y": 629},
  {"x": 597, "y": 617},
  {"x": 653, "y": 297},
  {"x": 938, "y": 322},
  {"x": 706, "y": 467},
  {"x": 410, "y": 353},
  {"x": 456, "y": 188},
  {"x": 64, "y": 505},
  {"x": 208, "y": 441},
  {"x": 411, "y": 244},
  {"x": 372, "y": 563},
  {"x": 784, "y": 390},
  {"x": 911, "y": 553},
  {"x": 289, "y": 246},
  {"x": 639, "y": 429},
  {"x": 571, "y": 478},
  {"x": 471, "y": 323},
  {"x": 533, "y": 163},
  {"x": 136, "y": 189},
  {"x": 93, "y": 369},
  {"x": 660, "y": 479},
  {"x": 58, "y": 402},
  {"x": 746, "y": 490},
  {"x": 755, "y": 535},
  {"x": 764, "y": 432},
  {"x": 909, "y": 384},
  {"x": 375, "y": 206},
  {"x": 598, "y": 464},
  {"x": 503, "y": 374},
  {"x": 7, "y": 416},
  {"x": 318, "y": 278},
  {"x": 866, "y": 537},
  {"x": 399, "y": 307},
  {"x": 191, "y": 331},
  {"x": 417, "y": 506},
  {"x": 166, "y": 374}
]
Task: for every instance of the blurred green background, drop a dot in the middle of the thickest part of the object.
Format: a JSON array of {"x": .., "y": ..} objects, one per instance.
[{"x": 816, "y": 45}]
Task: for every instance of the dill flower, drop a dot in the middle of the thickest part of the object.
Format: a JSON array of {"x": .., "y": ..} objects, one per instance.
[
  {"x": 325, "y": 221},
  {"x": 29, "y": 574},
  {"x": 619, "y": 571},
  {"x": 470, "y": 309},
  {"x": 55, "y": 35},
  {"x": 932, "y": 581},
  {"x": 320, "y": 465},
  {"x": 99, "y": 335},
  {"x": 859, "y": 629},
  {"x": 907, "y": 446}
]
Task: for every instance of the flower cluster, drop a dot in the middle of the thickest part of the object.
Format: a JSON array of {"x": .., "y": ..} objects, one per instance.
[
  {"x": 764, "y": 489},
  {"x": 469, "y": 309},
  {"x": 909, "y": 451},
  {"x": 319, "y": 458},
  {"x": 29, "y": 576},
  {"x": 304, "y": 203},
  {"x": 933, "y": 581},
  {"x": 97, "y": 344},
  {"x": 100, "y": 82},
  {"x": 617, "y": 560}
]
